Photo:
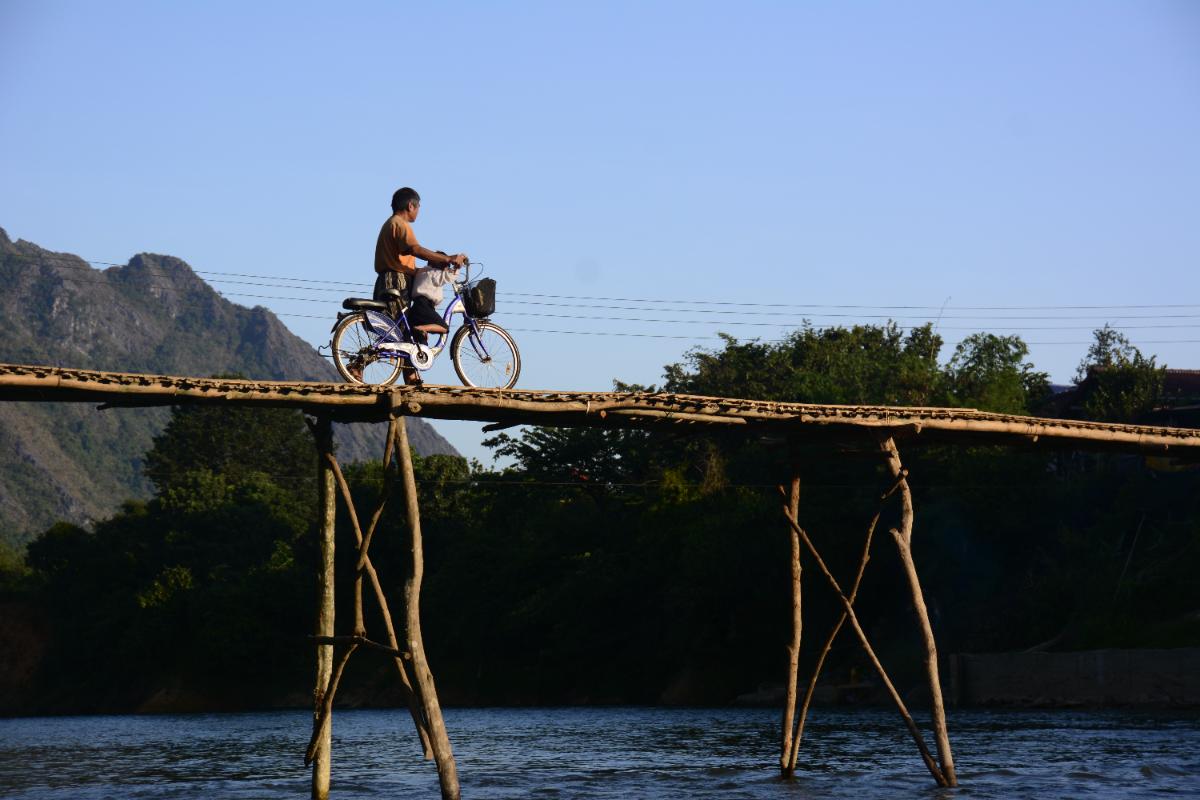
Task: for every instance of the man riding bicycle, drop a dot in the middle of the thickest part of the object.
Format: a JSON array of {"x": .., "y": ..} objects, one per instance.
[{"x": 396, "y": 254}]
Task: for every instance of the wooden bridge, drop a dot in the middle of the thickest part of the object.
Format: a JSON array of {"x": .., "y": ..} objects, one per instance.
[
  {"x": 879, "y": 428},
  {"x": 506, "y": 407}
]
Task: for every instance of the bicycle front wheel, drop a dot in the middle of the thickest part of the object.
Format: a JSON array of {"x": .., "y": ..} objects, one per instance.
[
  {"x": 488, "y": 360},
  {"x": 356, "y": 357}
]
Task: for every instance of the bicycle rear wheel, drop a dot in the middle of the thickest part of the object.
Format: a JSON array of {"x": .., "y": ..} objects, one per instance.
[
  {"x": 489, "y": 360},
  {"x": 356, "y": 357}
]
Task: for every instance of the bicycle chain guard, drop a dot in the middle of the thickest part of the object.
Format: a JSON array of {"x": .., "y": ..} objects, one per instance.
[{"x": 419, "y": 355}]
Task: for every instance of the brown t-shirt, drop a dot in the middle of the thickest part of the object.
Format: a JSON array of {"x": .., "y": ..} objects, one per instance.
[{"x": 393, "y": 249}]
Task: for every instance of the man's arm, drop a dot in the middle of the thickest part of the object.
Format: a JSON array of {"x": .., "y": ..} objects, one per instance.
[{"x": 438, "y": 259}]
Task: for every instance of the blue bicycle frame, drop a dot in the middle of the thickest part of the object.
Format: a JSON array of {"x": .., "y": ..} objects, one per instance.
[{"x": 399, "y": 330}]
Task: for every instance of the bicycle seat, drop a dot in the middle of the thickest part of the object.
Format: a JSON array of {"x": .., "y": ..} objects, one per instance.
[{"x": 363, "y": 304}]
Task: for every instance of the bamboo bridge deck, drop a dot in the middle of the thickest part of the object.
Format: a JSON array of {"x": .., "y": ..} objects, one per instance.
[
  {"x": 877, "y": 427},
  {"x": 502, "y": 408}
]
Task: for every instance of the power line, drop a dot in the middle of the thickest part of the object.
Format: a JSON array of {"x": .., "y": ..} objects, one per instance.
[
  {"x": 768, "y": 341},
  {"x": 673, "y": 322},
  {"x": 683, "y": 309},
  {"x": 732, "y": 322},
  {"x": 793, "y": 325},
  {"x": 851, "y": 306},
  {"x": 726, "y": 323}
]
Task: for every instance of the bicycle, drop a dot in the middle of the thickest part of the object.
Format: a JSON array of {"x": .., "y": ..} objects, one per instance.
[{"x": 370, "y": 347}]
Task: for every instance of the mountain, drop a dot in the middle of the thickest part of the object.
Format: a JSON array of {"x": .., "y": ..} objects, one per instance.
[{"x": 68, "y": 461}]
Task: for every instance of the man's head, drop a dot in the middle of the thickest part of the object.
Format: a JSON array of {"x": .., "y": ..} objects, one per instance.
[{"x": 406, "y": 200}]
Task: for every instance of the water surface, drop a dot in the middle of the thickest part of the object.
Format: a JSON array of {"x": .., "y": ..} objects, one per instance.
[{"x": 602, "y": 753}]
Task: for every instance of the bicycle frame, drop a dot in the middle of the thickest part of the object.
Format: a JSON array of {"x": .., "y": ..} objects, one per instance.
[{"x": 400, "y": 330}]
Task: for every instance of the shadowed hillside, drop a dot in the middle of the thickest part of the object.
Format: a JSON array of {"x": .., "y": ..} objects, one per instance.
[{"x": 67, "y": 462}]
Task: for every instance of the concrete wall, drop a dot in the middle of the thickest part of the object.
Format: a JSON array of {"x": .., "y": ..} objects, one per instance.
[{"x": 1085, "y": 678}]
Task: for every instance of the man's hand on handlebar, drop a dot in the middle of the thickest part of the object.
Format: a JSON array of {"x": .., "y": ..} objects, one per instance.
[{"x": 454, "y": 262}]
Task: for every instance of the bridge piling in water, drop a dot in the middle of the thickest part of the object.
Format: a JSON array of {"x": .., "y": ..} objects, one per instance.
[
  {"x": 942, "y": 768},
  {"x": 443, "y": 754},
  {"x": 321, "y": 744},
  {"x": 903, "y": 539},
  {"x": 787, "y": 759},
  {"x": 421, "y": 697},
  {"x": 790, "y": 765}
]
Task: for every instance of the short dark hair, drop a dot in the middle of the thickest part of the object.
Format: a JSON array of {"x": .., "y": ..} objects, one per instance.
[{"x": 403, "y": 197}]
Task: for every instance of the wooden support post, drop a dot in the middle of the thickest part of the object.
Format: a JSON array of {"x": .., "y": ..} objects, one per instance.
[
  {"x": 787, "y": 764},
  {"x": 833, "y": 633},
  {"x": 903, "y": 538},
  {"x": 326, "y": 711},
  {"x": 322, "y": 722},
  {"x": 364, "y": 565},
  {"x": 442, "y": 753},
  {"x": 915, "y": 732},
  {"x": 816, "y": 674}
]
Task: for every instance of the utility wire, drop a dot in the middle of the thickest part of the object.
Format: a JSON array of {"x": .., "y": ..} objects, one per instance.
[
  {"x": 792, "y": 323},
  {"x": 682, "y": 308},
  {"x": 738, "y": 322},
  {"x": 676, "y": 322}
]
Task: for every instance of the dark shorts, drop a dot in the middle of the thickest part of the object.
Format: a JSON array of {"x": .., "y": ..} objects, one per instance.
[
  {"x": 423, "y": 312},
  {"x": 390, "y": 280}
]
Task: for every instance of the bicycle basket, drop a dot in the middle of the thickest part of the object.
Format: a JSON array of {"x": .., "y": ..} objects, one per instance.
[{"x": 480, "y": 298}]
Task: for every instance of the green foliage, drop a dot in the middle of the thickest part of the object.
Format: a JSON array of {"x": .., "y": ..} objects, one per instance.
[
  {"x": 1116, "y": 382},
  {"x": 211, "y": 576},
  {"x": 230, "y": 444},
  {"x": 13, "y": 570},
  {"x": 863, "y": 364},
  {"x": 587, "y": 455},
  {"x": 990, "y": 372},
  {"x": 870, "y": 365}
]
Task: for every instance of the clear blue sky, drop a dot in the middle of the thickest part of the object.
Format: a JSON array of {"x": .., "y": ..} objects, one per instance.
[{"x": 823, "y": 154}]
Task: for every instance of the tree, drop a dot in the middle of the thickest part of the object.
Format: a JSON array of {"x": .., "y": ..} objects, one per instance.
[
  {"x": 1115, "y": 382},
  {"x": 232, "y": 443},
  {"x": 864, "y": 364},
  {"x": 588, "y": 455},
  {"x": 989, "y": 372},
  {"x": 13, "y": 570},
  {"x": 595, "y": 457}
]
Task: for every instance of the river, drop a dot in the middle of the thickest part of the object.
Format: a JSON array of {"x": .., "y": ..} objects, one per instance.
[{"x": 619, "y": 753}]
